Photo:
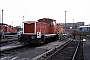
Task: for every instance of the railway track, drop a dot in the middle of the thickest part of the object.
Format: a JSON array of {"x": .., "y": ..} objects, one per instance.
[
  {"x": 9, "y": 42},
  {"x": 14, "y": 50},
  {"x": 10, "y": 47},
  {"x": 18, "y": 48},
  {"x": 67, "y": 51}
]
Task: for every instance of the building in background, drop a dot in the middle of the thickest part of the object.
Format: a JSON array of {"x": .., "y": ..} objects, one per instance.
[
  {"x": 84, "y": 29},
  {"x": 71, "y": 27},
  {"x": 80, "y": 24}
]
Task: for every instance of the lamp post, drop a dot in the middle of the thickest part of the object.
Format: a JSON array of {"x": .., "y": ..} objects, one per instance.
[
  {"x": 73, "y": 23},
  {"x": 2, "y": 16},
  {"x": 12, "y": 23},
  {"x": 22, "y": 21},
  {"x": 65, "y": 20}
]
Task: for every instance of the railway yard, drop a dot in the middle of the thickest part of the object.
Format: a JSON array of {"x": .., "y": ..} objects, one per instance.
[
  {"x": 44, "y": 30},
  {"x": 43, "y": 39},
  {"x": 67, "y": 49}
]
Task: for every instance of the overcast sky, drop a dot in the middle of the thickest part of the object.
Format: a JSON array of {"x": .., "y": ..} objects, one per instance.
[{"x": 32, "y": 10}]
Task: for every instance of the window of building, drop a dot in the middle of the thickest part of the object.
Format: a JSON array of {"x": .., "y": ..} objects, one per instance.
[
  {"x": 80, "y": 29},
  {"x": 89, "y": 28}
]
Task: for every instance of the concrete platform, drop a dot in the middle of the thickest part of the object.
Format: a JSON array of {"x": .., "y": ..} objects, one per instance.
[
  {"x": 6, "y": 40},
  {"x": 33, "y": 53},
  {"x": 52, "y": 45},
  {"x": 86, "y": 48},
  {"x": 10, "y": 46}
]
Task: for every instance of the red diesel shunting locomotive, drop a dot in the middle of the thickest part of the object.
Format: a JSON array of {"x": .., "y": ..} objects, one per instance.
[
  {"x": 39, "y": 32},
  {"x": 7, "y": 29}
]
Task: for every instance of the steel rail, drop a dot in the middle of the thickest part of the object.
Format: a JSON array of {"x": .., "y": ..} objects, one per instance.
[
  {"x": 76, "y": 51},
  {"x": 13, "y": 47},
  {"x": 58, "y": 50},
  {"x": 42, "y": 56},
  {"x": 9, "y": 42}
]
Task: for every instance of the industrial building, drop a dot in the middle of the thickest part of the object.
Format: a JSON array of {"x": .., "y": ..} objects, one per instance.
[{"x": 70, "y": 27}]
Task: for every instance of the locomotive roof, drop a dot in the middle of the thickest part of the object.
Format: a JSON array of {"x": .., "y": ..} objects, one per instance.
[
  {"x": 38, "y": 20},
  {"x": 47, "y": 19},
  {"x": 29, "y": 21},
  {"x": 3, "y": 24}
]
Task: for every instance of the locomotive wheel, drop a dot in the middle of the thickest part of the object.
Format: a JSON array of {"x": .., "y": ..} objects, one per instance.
[{"x": 47, "y": 40}]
